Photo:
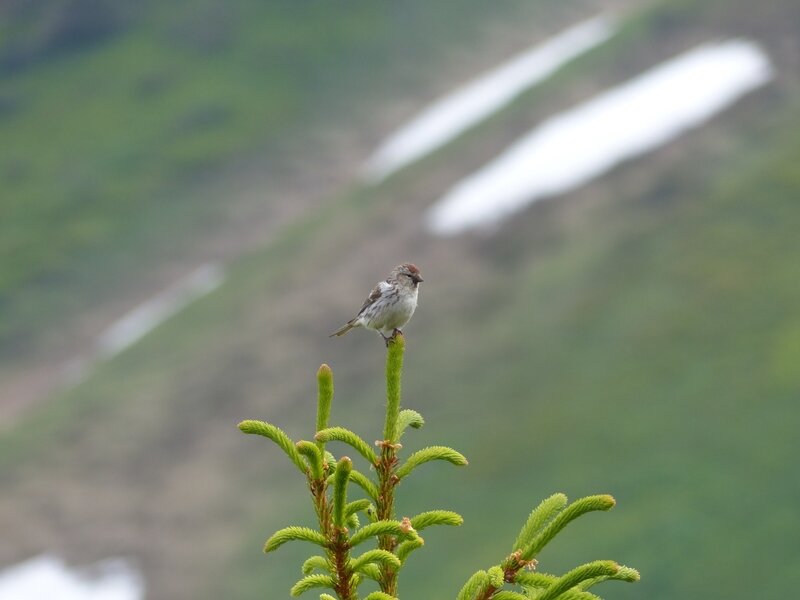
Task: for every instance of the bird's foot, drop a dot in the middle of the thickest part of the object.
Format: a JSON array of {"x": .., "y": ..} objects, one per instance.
[{"x": 392, "y": 337}]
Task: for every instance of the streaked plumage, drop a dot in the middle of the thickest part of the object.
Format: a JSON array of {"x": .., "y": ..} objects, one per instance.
[{"x": 390, "y": 305}]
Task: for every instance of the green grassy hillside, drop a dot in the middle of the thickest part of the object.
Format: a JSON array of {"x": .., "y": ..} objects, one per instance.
[{"x": 638, "y": 337}]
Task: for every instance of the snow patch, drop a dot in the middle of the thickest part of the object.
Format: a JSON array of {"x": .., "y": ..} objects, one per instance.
[
  {"x": 141, "y": 320},
  {"x": 149, "y": 315},
  {"x": 47, "y": 577},
  {"x": 463, "y": 108},
  {"x": 578, "y": 145}
]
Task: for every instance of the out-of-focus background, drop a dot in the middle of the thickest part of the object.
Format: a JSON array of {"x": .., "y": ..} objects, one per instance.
[{"x": 603, "y": 197}]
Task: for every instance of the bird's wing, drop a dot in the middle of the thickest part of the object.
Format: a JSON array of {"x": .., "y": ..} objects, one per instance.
[{"x": 376, "y": 293}]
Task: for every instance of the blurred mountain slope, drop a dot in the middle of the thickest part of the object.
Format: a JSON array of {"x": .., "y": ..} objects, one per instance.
[
  {"x": 137, "y": 130},
  {"x": 639, "y": 336},
  {"x": 141, "y": 140}
]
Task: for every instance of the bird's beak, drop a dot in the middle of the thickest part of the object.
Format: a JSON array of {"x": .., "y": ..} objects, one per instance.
[{"x": 417, "y": 279}]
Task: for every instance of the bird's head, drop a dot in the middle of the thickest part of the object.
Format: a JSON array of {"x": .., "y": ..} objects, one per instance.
[{"x": 409, "y": 271}]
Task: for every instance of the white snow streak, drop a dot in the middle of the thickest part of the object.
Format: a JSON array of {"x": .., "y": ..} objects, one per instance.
[
  {"x": 141, "y": 320},
  {"x": 147, "y": 316},
  {"x": 463, "y": 108},
  {"x": 573, "y": 147}
]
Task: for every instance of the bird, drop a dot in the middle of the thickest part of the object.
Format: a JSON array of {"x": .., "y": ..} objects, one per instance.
[{"x": 389, "y": 305}]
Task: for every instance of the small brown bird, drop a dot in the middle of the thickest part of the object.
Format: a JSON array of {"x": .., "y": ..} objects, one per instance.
[{"x": 390, "y": 304}]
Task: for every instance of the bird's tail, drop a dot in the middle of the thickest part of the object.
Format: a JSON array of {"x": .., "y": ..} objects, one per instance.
[{"x": 343, "y": 330}]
